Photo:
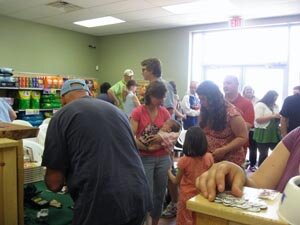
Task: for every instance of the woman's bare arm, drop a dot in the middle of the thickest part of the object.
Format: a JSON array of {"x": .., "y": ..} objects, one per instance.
[
  {"x": 240, "y": 131},
  {"x": 134, "y": 126},
  {"x": 271, "y": 170}
]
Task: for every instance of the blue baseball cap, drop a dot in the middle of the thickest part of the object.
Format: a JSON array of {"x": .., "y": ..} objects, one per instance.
[{"x": 73, "y": 85}]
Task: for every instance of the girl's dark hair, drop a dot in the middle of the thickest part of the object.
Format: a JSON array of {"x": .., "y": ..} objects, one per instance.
[
  {"x": 269, "y": 99},
  {"x": 172, "y": 83},
  {"x": 153, "y": 65},
  {"x": 131, "y": 83},
  {"x": 104, "y": 87},
  {"x": 215, "y": 114},
  {"x": 195, "y": 143},
  {"x": 156, "y": 89}
]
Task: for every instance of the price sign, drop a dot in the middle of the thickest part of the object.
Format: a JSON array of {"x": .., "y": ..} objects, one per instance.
[
  {"x": 50, "y": 91},
  {"x": 32, "y": 111}
]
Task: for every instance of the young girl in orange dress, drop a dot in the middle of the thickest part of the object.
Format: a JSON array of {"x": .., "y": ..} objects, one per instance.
[{"x": 195, "y": 161}]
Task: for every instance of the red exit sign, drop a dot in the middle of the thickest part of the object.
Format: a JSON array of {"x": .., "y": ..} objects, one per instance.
[{"x": 235, "y": 21}]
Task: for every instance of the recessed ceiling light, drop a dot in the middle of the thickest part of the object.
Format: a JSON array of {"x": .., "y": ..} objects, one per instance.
[
  {"x": 198, "y": 6},
  {"x": 102, "y": 21}
]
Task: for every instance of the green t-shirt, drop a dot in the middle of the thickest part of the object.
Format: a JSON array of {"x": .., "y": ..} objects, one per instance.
[{"x": 118, "y": 89}]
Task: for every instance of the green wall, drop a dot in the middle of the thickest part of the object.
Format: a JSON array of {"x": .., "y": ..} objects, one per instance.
[
  {"x": 118, "y": 52},
  {"x": 171, "y": 46},
  {"x": 31, "y": 47}
]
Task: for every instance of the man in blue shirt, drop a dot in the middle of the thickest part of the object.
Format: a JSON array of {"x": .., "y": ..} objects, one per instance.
[{"x": 190, "y": 106}]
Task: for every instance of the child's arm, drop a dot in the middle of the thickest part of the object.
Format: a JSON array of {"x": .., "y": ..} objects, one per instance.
[
  {"x": 136, "y": 101},
  {"x": 208, "y": 159},
  {"x": 175, "y": 179},
  {"x": 124, "y": 93}
]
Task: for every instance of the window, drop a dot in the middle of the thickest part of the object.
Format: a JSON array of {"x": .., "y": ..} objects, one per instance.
[{"x": 255, "y": 55}]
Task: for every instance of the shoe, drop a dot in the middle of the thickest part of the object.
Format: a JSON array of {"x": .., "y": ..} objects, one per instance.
[
  {"x": 252, "y": 168},
  {"x": 170, "y": 211}
]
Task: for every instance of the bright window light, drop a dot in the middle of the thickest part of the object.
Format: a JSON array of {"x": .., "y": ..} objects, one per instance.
[
  {"x": 199, "y": 6},
  {"x": 267, "y": 58},
  {"x": 102, "y": 21}
]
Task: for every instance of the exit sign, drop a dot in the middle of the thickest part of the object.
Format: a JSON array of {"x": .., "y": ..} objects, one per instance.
[{"x": 235, "y": 21}]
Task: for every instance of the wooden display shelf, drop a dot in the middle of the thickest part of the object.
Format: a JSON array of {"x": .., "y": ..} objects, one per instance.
[{"x": 17, "y": 132}]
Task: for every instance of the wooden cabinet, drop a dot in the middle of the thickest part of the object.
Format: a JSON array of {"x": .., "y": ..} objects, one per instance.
[
  {"x": 10, "y": 197},
  {"x": 12, "y": 172}
]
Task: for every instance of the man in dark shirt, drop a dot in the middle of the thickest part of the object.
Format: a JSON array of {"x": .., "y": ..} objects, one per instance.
[
  {"x": 290, "y": 112},
  {"x": 90, "y": 147}
]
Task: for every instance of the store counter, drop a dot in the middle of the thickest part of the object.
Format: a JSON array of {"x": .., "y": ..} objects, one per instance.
[
  {"x": 211, "y": 213},
  {"x": 12, "y": 172}
]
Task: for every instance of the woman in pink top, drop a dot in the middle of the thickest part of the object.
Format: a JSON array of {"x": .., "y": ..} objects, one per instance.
[
  {"x": 223, "y": 125},
  {"x": 146, "y": 120}
]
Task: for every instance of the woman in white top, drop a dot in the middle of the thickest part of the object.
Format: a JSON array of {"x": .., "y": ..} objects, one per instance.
[
  {"x": 131, "y": 100},
  {"x": 266, "y": 123}
]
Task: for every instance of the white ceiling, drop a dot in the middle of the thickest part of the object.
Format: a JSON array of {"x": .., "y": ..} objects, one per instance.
[{"x": 142, "y": 15}]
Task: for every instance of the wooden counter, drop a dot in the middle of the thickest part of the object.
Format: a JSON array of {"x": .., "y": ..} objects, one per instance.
[
  {"x": 211, "y": 213},
  {"x": 12, "y": 172},
  {"x": 17, "y": 132}
]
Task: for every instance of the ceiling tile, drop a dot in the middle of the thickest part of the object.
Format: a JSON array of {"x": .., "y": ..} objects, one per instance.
[
  {"x": 143, "y": 14},
  {"x": 10, "y": 6},
  {"x": 71, "y": 17},
  {"x": 168, "y": 2},
  {"x": 122, "y": 6},
  {"x": 37, "y": 12},
  {"x": 91, "y": 3}
]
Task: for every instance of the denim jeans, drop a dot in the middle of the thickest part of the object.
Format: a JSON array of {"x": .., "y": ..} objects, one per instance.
[{"x": 156, "y": 169}]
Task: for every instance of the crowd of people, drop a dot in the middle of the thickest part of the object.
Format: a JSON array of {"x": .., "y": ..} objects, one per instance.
[{"x": 122, "y": 171}]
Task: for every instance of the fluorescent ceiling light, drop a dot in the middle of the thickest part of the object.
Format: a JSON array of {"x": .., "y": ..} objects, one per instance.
[
  {"x": 102, "y": 21},
  {"x": 198, "y": 6}
]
